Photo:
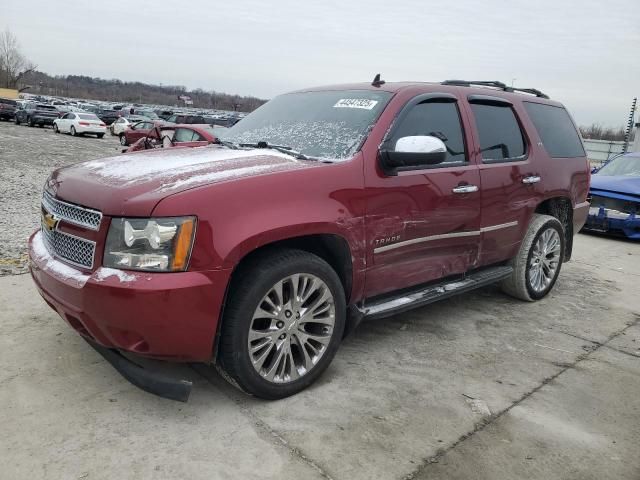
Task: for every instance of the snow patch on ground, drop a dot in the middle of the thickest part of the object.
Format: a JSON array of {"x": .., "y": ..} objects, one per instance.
[
  {"x": 56, "y": 268},
  {"x": 103, "y": 273}
]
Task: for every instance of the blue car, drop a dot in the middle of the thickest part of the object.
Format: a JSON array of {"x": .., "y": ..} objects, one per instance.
[{"x": 615, "y": 197}]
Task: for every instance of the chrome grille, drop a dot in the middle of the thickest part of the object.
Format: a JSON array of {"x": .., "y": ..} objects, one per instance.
[
  {"x": 75, "y": 250},
  {"x": 81, "y": 216}
]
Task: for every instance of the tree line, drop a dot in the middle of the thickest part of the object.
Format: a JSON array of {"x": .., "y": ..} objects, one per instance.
[{"x": 91, "y": 88}]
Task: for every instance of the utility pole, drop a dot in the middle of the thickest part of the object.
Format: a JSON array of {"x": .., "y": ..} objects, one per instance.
[{"x": 627, "y": 132}]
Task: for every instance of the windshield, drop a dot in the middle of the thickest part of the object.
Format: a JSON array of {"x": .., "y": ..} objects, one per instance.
[
  {"x": 624, "y": 166},
  {"x": 327, "y": 124}
]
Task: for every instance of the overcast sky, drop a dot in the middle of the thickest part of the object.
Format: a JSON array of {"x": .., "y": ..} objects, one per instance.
[{"x": 584, "y": 53}]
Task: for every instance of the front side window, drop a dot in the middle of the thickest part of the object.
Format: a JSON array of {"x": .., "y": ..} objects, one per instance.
[
  {"x": 437, "y": 119},
  {"x": 501, "y": 138},
  {"x": 556, "y": 130},
  {"x": 183, "y": 135},
  {"x": 322, "y": 124}
]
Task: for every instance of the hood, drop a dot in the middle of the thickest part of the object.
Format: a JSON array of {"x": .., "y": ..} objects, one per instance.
[
  {"x": 133, "y": 184},
  {"x": 620, "y": 184}
]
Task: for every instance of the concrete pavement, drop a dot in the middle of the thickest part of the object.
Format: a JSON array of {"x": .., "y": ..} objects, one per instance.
[{"x": 479, "y": 386}]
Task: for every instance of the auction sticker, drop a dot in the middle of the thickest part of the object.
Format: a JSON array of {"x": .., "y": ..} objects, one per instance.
[{"x": 363, "y": 103}]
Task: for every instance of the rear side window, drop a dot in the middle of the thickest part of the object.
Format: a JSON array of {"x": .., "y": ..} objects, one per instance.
[
  {"x": 500, "y": 134},
  {"x": 556, "y": 130}
]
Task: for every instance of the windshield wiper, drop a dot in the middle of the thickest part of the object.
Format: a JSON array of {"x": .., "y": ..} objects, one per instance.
[
  {"x": 279, "y": 148},
  {"x": 225, "y": 143}
]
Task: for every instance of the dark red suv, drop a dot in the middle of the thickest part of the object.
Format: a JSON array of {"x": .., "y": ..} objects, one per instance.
[{"x": 321, "y": 208}]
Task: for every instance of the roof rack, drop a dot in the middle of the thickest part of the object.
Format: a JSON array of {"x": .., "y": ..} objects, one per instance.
[{"x": 496, "y": 84}]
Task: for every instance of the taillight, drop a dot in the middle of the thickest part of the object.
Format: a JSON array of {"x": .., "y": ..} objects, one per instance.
[
  {"x": 102, "y": 125},
  {"x": 86, "y": 124}
]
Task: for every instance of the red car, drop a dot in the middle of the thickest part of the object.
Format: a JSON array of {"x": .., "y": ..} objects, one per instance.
[
  {"x": 167, "y": 136},
  {"x": 137, "y": 131},
  {"x": 320, "y": 208}
]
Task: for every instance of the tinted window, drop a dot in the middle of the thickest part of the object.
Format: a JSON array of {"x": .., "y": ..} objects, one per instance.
[
  {"x": 437, "y": 119},
  {"x": 500, "y": 134},
  {"x": 86, "y": 116},
  {"x": 556, "y": 130}
]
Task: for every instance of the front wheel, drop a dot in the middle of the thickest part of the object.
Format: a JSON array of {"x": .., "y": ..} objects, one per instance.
[
  {"x": 17, "y": 120},
  {"x": 73, "y": 131},
  {"x": 283, "y": 324},
  {"x": 55, "y": 128},
  {"x": 30, "y": 122},
  {"x": 100, "y": 135},
  {"x": 537, "y": 265},
  {"x": 123, "y": 140}
]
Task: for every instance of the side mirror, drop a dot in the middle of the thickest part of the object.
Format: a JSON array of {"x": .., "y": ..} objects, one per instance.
[{"x": 412, "y": 153}]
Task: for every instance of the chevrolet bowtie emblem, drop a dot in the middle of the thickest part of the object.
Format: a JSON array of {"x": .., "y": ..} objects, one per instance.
[{"x": 49, "y": 221}]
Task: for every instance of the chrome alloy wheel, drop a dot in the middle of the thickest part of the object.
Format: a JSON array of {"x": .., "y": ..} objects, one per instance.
[
  {"x": 291, "y": 328},
  {"x": 545, "y": 260}
]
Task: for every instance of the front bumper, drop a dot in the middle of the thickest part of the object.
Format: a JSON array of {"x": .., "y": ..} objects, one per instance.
[
  {"x": 602, "y": 219},
  {"x": 170, "y": 316}
]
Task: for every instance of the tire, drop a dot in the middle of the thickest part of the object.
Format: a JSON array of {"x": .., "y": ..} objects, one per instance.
[
  {"x": 538, "y": 262},
  {"x": 123, "y": 140},
  {"x": 55, "y": 128},
  {"x": 99, "y": 135},
  {"x": 249, "y": 290},
  {"x": 73, "y": 132},
  {"x": 30, "y": 122},
  {"x": 17, "y": 120}
]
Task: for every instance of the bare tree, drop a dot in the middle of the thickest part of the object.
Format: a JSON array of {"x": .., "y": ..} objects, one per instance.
[{"x": 13, "y": 65}]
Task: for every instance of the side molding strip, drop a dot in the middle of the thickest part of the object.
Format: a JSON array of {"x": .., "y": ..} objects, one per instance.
[{"x": 472, "y": 233}]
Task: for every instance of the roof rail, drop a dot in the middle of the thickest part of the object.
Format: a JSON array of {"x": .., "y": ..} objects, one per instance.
[{"x": 496, "y": 84}]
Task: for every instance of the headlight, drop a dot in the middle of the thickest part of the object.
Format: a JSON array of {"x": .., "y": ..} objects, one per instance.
[{"x": 151, "y": 244}]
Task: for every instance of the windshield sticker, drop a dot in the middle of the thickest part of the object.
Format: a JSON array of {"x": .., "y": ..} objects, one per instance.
[{"x": 363, "y": 103}]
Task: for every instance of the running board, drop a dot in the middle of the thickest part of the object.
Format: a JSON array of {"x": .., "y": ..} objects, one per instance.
[{"x": 432, "y": 293}]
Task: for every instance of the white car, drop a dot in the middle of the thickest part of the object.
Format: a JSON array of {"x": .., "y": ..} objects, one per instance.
[
  {"x": 121, "y": 124},
  {"x": 79, "y": 124}
]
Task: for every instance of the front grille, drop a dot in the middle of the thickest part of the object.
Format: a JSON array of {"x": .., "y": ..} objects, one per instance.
[
  {"x": 75, "y": 250},
  {"x": 81, "y": 216}
]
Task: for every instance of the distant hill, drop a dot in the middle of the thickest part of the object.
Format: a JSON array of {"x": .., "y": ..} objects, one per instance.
[{"x": 79, "y": 86}]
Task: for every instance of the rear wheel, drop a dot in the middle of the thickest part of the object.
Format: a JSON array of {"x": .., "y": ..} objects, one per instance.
[
  {"x": 537, "y": 265},
  {"x": 100, "y": 135},
  {"x": 55, "y": 128},
  {"x": 282, "y": 325},
  {"x": 72, "y": 131},
  {"x": 30, "y": 121},
  {"x": 17, "y": 120}
]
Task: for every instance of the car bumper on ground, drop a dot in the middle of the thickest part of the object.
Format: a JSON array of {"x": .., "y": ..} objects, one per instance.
[
  {"x": 602, "y": 219},
  {"x": 170, "y": 316}
]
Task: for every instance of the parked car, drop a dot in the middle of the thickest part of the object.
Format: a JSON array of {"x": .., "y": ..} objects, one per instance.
[
  {"x": 35, "y": 114},
  {"x": 170, "y": 135},
  {"x": 8, "y": 108},
  {"x": 123, "y": 123},
  {"x": 163, "y": 113},
  {"x": 186, "y": 118},
  {"x": 108, "y": 116},
  {"x": 615, "y": 197},
  {"x": 79, "y": 124},
  {"x": 319, "y": 209},
  {"x": 137, "y": 131}
]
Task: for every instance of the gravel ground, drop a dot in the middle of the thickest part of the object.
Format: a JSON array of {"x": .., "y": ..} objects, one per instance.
[{"x": 28, "y": 155}]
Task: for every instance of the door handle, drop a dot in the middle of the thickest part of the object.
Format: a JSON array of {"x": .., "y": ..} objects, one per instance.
[
  {"x": 465, "y": 189},
  {"x": 531, "y": 179}
]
